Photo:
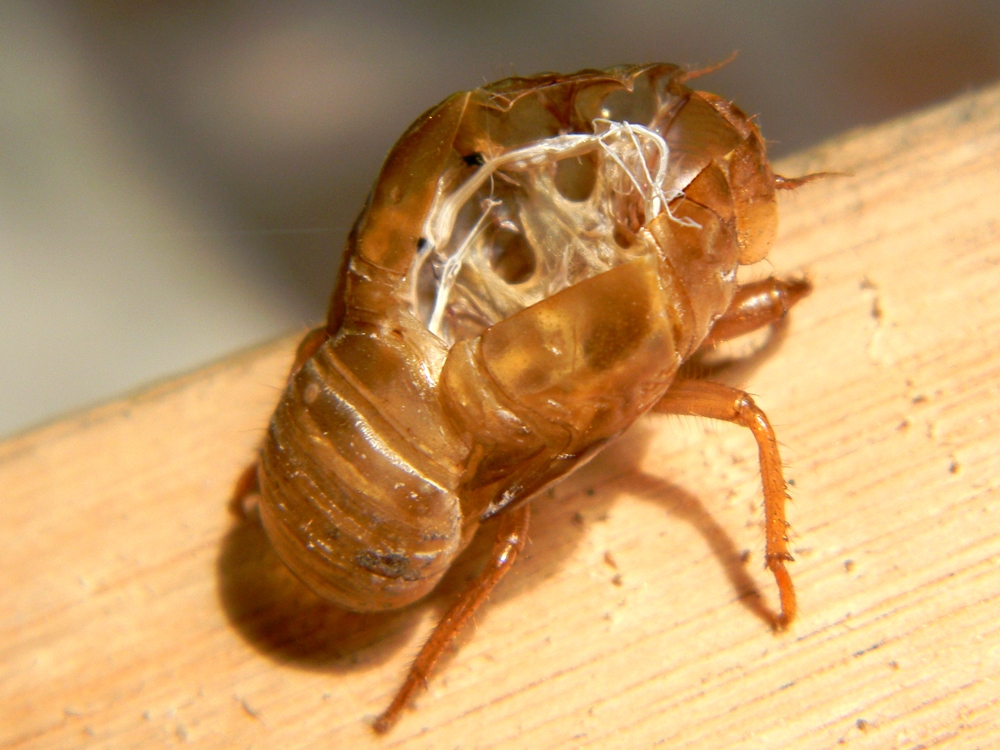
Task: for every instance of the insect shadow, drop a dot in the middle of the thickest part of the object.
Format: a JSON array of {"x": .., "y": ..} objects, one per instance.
[
  {"x": 684, "y": 505},
  {"x": 287, "y": 622}
]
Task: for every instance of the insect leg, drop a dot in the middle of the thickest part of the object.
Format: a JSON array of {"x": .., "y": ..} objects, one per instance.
[
  {"x": 512, "y": 534},
  {"x": 756, "y": 305},
  {"x": 702, "y": 398}
]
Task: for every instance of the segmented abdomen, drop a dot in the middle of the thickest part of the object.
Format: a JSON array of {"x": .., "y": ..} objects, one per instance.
[{"x": 353, "y": 502}]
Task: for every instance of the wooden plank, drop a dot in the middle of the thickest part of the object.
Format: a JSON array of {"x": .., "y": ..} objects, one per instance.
[{"x": 136, "y": 611}]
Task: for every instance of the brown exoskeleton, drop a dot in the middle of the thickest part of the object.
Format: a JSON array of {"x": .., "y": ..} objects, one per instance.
[{"x": 537, "y": 259}]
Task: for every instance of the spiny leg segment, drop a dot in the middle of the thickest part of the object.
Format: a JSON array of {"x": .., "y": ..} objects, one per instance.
[
  {"x": 512, "y": 534},
  {"x": 702, "y": 398},
  {"x": 754, "y": 306}
]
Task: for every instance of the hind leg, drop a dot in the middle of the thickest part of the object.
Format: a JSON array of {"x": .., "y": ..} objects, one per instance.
[
  {"x": 702, "y": 398},
  {"x": 512, "y": 534}
]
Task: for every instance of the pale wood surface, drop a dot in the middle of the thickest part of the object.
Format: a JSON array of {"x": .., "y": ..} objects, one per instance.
[{"x": 136, "y": 612}]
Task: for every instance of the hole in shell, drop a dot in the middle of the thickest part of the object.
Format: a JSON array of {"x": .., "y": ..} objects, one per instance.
[
  {"x": 630, "y": 217},
  {"x": 512, "y": 258},
  {"x": 575, "y": 177},
  {"x": 638, "y": 106},
  {"x": 622, "y": 236}
]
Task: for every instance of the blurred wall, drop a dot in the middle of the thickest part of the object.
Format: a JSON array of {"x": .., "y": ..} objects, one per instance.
[{"x": 177, "y": 179}]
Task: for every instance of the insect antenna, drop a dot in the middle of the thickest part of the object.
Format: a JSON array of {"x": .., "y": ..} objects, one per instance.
[
  {"x": 791, "y": 183},
  {"x": 699, "y": 72}
]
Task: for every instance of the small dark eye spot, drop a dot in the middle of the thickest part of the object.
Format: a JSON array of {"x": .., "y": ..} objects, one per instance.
[{"x": 475, "y": 159}]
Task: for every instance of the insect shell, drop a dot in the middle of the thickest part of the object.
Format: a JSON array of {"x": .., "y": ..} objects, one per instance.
[{"x": 537, "y": 259}]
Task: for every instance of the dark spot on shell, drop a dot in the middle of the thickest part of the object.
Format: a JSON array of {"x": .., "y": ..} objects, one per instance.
[{"x": 387, "y": 564}]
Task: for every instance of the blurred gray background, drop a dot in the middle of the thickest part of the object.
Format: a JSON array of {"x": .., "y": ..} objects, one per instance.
[{"x": 177, "y": 179}]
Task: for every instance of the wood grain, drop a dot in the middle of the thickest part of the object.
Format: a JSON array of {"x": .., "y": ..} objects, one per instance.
[{"x": 137, "y": 612}]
